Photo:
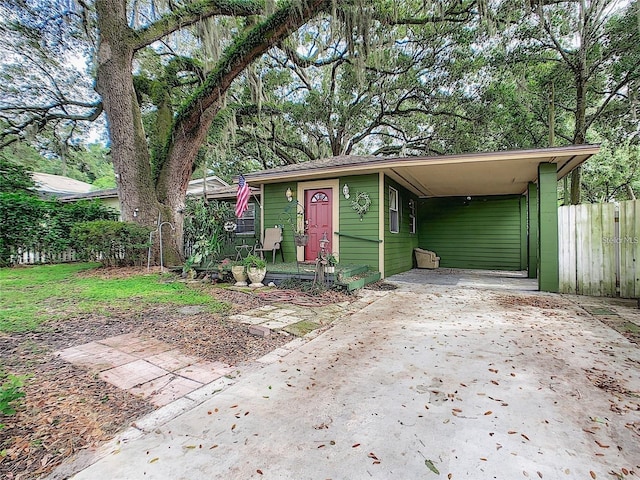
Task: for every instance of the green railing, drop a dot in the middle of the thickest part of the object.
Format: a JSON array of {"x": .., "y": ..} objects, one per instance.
[{"x": 376, "y": 240}]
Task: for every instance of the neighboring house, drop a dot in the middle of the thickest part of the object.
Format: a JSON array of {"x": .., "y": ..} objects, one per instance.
[
  {"x": 48, "y": 185},
  {"x": 214, "y": 188},
  {"x": 493, "y": 211},
  {"x": 108, "y": 197}
]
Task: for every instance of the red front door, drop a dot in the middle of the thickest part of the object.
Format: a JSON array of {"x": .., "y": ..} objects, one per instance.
[{"x": 318, "y": 219}]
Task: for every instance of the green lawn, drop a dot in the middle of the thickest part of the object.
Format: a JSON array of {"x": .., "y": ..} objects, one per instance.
[{"x": 32, "y": 295}]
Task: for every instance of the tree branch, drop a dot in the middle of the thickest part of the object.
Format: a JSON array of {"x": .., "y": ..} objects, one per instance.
[{"x": 193, "y": 13}]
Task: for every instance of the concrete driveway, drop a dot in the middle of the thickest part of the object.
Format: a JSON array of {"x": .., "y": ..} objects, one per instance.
[{"x": 427, "y": 381}]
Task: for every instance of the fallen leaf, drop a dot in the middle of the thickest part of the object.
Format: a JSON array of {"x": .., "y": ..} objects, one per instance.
[
  {"x": 259, "y": 472},
  {"x": 355, "y": 445},
  {"x": 450, "y": 476},
  {"x": 494, "y": 382},
  {"x": 602, "y": 445},
  {"x": 493, "y": 370},
  {"x": 489, "y": 412},
  {"x": 511, "y": 432},
  {"x": 213, "y": 446},
  {"x": 483, "y": 459},
  {"x": 432, "y": 467},
  {"x": 525, "y": 437},
  {"x": 233, "y": 406},
  {"x": 190, "y": 446},
  {"x": 154, "y": 460},
  {"x": 233, "y": 426},
  {"x": 593, "y": 474},
  {"x": 539, "y": 474}
]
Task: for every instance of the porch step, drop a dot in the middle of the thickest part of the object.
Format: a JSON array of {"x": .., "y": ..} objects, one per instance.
[
  {"x": 359, "y": 280},
  {"x": 352, "y": 270}
]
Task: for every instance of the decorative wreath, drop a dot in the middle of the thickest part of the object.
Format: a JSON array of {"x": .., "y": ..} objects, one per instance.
[
  {"x": 230, "y": 226},
  {"x": 361, "y": 203}
]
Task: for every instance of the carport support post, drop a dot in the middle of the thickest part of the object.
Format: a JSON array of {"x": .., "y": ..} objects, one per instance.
[
  {"x": 548, "y": 279},
  {"x": 532, "y": 240}
]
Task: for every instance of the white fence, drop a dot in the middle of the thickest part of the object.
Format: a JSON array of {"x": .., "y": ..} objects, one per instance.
[
  {"x": 599, "y": 249},
  {"x": 30, "y": 257}
]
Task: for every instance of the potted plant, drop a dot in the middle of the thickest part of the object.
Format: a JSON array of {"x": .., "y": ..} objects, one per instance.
[
  {"x": 295, "y": 220},
  {"x": 256, "y": 270},
  {"x": 239, "y": 273},
  {"x": 332, "y": 261},
  {"x": 301, "y": 238}
]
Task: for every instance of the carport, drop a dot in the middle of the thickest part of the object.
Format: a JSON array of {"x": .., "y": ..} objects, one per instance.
[{"x": 524, "y": 183}]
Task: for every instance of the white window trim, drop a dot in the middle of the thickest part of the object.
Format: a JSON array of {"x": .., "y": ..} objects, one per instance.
[
  {"x": 251, "y": 209},
  {"x": 413, "y": 214},
  {"x": 396, "y": 210}
]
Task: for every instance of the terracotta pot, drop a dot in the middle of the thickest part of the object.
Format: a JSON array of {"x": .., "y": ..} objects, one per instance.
[
  {"x": 256, "y": 275},
  {"x": 239, "y": 275}
]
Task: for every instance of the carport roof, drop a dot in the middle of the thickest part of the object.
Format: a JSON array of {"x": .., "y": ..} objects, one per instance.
[{"x": 475, "y": 174}]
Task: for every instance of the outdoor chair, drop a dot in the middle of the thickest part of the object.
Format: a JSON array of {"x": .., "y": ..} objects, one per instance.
[
  {"x": 271, "y": 243},
  {"x": 426, "y": 258}
]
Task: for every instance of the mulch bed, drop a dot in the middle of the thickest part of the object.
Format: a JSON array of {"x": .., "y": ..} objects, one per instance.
[
  {"x": 381, "y": 286},
  {"x": 67, "y": 410}
]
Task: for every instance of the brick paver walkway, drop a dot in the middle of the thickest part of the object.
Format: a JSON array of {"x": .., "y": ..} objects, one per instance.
[{"x": 145, "y": 366}]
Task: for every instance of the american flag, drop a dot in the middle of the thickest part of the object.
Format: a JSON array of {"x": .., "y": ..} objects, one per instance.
[{"x": 242, "y": 203}]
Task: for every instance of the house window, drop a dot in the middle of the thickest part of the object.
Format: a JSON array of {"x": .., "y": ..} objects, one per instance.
[
  {"x": 394, "y": 213},
  {"x": 412, "y": 216},
  {"x": 319, "y": 197},
  {"x": 246, "y": 225}
]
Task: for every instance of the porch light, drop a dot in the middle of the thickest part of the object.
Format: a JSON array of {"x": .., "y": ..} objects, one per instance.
[
  {"x": 289, "y": 195},
  {"x": 345, "y": 191}
]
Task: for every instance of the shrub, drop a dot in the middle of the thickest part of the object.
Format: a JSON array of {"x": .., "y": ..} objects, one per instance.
[
  {"x": 204, "y": 230},
  {"x": 31, "y": 223},
  {"x": 110, "y": 242}
]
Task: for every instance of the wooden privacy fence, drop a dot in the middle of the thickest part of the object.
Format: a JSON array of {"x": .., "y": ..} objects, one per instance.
[{"x": 599, "y": 249}]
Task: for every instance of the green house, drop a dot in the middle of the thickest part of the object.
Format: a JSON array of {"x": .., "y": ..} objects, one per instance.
[{"x": 494, "y": 211}]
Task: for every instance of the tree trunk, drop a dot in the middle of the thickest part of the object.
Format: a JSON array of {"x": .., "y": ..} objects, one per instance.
[
  {"x": 579, "y": 135},
  {"x": 129, "y": 150}
]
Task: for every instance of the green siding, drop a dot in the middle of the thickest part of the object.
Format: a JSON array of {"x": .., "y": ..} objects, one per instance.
[
  {"x": 532, "y": 202},
  {"x": 523, "y": 233},
  {"x": 483, "y": 233},
  {"x": 352, "y": 250},
  {"x": 548, "y": 279},
  {"x": 276, "y": 211},
  {"x": 398, "y": 247}
]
